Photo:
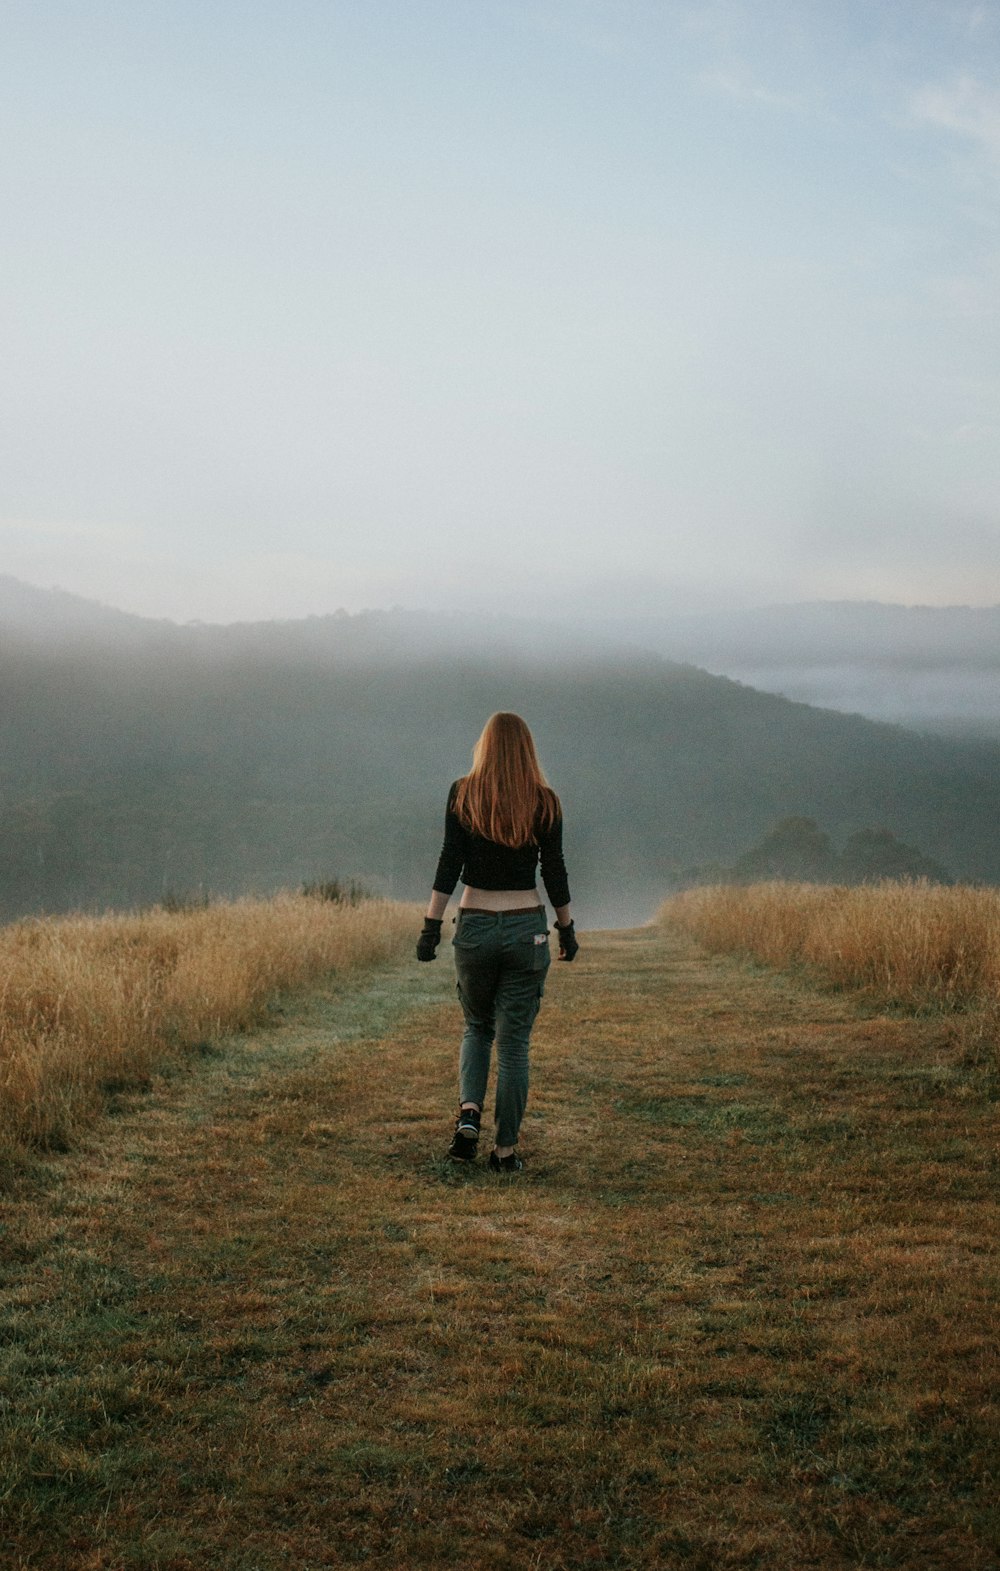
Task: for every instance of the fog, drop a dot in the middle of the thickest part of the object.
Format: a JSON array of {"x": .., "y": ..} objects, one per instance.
[
  {"x": 930, "y": 667},
  {"x": 953, "y": 700},
  {"x": 148, "y": 758}
]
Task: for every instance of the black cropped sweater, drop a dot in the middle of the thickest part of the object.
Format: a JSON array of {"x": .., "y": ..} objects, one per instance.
[{"x": 487, "y": 865}]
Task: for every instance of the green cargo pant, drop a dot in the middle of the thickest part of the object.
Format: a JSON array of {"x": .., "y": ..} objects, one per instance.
[{"x": 501, "y": 959}]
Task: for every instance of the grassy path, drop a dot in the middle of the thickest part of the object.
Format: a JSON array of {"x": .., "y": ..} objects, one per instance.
[{"x": 739, "y": 1311}]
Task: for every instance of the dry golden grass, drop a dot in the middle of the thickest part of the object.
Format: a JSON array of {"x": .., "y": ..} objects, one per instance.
[
  {"x": 737, "y": 1314},
  {"x": 910, "y": 943},
  {"x": 89, "y": 1004}
]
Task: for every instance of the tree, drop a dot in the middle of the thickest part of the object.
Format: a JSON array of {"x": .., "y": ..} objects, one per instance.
[
  {"x": 871, "y": 854},
  {"x": 796, "y": 848}
]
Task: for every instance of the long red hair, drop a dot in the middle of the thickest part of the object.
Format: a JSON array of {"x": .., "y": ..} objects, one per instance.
[{"x": 505, "y": 796}]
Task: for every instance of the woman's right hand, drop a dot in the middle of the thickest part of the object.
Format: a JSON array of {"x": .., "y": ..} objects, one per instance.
[{"x": 430, "y": 937}]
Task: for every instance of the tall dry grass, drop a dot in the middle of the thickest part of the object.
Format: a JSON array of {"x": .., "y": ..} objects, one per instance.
[
  {"x": 911, "y": 943},
  {"x": 90, "y": 1004}
]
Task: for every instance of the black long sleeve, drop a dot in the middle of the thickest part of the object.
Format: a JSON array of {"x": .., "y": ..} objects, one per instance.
[
  {"x": 453, "y": 851},
  {"x": 554, "y": 875},
  {"x": 487, "y": 865}
]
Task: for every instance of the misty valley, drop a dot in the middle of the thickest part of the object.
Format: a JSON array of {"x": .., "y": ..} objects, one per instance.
[{"x": 145, "y": 760}]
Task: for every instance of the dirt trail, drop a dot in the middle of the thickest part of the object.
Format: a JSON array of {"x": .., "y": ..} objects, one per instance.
[{"x": 737, "y": 1311}]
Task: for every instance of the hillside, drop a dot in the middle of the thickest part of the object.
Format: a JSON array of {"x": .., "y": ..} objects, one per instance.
[{"x": 246, "y": 758}]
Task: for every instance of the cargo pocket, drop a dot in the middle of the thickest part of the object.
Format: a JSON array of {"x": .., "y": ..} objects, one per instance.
[
  {"x": 538, "y": 952},
  {"x": 466, "y": 935}
]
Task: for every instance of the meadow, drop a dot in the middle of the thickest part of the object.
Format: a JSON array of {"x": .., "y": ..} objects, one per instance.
[
  {"x": 915, "y": 945},
  {"x": 89, "y": 1005},
  {"x": 738, "y": 1313}
]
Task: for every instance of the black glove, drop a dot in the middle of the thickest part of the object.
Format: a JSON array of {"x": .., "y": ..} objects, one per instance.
[
  {"x": 430, "y": 937},
  {"x": 568, "y": 945}
]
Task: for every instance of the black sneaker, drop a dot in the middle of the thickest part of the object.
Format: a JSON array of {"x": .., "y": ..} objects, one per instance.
[
  {"x": 505, "y": 1164},
  {"x": 462, "y": 1149},
  {"x": 465, "y": 1140}
]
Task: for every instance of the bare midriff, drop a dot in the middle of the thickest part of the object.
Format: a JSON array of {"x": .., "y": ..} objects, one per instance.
[{"x": 498, "y": 899}]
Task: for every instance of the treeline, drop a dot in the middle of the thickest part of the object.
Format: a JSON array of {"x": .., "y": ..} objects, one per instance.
[
  {"x": 799, "y": 851},
  {"x": 238, "y": 764}
]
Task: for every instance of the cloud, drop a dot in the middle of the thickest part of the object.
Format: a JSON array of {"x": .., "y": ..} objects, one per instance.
[
  {"x": 970, "y": 296},
  {"x": 965, "y": 107},
  {"x": 736, "y": 82},
  {"x": 597, "y": 28},
  {"x": 974, "y": 431},
  {"x": 721, "y": 22}
]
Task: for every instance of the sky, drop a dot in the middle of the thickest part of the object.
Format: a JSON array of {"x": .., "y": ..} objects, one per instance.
[{"x": 565, "y": 307}]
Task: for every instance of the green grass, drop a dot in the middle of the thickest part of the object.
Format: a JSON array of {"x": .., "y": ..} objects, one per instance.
[{"x": 738, "y": 1312}]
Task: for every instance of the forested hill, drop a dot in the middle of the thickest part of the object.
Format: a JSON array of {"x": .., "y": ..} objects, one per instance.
[{"x": 153, "y": 757}]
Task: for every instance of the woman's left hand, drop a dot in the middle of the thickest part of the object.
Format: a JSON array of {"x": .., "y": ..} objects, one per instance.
[{"x": 568, "y": 946}]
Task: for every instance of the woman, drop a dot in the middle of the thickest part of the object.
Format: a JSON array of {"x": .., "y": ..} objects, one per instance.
[{"x": 502, "y": 818}]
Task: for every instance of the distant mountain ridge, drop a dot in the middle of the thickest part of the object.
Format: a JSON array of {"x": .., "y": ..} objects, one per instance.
[
  {"x": 261, "y": 755},
  {"x": 805, "y": 634},
  {"x": 931, "y": 667},
  {"x": 831, "y": 632},
  {"x": 28, "y": 611},
  {"x": 54, "y": 618}
]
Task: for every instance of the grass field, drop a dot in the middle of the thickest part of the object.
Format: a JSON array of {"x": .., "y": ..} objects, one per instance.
[
  {"x": 89, "y": 1005},
  {"x": 738, "y": 1312},
  {"x": 911, "y": 943}
]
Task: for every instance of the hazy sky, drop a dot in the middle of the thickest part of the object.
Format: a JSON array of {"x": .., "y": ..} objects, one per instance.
[{"x": 534, "y": 306}]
